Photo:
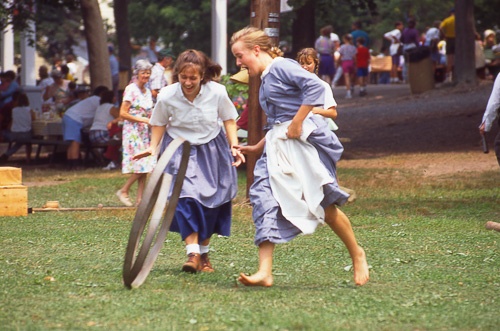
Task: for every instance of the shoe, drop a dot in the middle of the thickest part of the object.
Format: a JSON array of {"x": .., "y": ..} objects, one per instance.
[
  {"x": 3, "y": 158},
  {"x": 125, "y": 200},
  {"x": 110, "y": 166},
  {"x": 362, "y": 93},
  {"x": 192, "y": 265},
  {"x": 206, "y": 266},
  {"x": 348, "y": 95}
]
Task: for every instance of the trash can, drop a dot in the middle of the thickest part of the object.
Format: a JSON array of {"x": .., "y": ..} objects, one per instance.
[{"x": 420, "y": 70}]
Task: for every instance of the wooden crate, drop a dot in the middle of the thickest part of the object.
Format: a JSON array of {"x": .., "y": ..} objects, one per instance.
[
  {"x": 10, "y": 176},
  {"x": 13, "y": 200}
]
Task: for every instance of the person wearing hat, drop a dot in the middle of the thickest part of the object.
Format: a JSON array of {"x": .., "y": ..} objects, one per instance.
[
  {"x": 158, "y": 79},
  {"x": 241, "y": 77},
  {"x": 491, "y": 52},
  {"x": 169, "y": 69},
  {"x": 58, "y": 93}
]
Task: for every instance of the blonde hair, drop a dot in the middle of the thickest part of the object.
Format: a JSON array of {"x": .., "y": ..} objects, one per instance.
[
  {"x": 308, "y": 55},
  {"x": 252, "y": 36}
]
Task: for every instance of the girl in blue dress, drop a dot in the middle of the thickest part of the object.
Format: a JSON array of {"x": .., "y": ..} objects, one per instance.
[
  {"x": 291, "y": 194},
  {"x": 193, "y": 108}
]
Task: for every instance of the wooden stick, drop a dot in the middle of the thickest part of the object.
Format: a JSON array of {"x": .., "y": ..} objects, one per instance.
[{"x": 33, "y": 210}]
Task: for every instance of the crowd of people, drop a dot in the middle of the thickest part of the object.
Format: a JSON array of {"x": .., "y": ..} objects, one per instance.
[{"x": 351, "y": 53}]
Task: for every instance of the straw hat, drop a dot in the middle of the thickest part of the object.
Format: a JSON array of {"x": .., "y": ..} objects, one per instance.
[{"x": 240, "y": 77}]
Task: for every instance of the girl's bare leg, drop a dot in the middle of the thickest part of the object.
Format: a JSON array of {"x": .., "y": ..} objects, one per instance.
[
  {"x": 264, "y": 276},
  {"x": 341, "y": 225},
  {"x": 141, "y": 184},
  {"x": 347, "y": 81},
  {"x": 131, "y": 180}
]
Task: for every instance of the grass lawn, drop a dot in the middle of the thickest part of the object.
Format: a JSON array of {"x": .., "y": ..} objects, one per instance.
[{"x": 434, "y": 266}]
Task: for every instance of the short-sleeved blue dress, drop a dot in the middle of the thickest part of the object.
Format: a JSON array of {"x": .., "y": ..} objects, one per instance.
[{"x": 285, "y": 87}]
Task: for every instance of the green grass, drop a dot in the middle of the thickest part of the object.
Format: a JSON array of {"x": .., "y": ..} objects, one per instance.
[{"x": 434, "y": 266}]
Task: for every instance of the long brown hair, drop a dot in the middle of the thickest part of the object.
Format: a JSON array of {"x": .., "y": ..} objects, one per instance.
[{"x": 208, "y": 69}]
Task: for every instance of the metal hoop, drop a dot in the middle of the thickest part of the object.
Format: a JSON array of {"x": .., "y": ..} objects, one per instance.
[{"x": 154, "y": 202}]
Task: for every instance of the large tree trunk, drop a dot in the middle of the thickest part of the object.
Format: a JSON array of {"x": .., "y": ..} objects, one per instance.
[
  {"x": 100, "y": 71},
  {"x": 120, "y": 10},
  {"x": 465, "y": 66},
  {"x": 303, "y": 27}
]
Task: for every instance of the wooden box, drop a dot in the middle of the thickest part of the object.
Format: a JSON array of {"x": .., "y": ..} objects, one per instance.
[
  {"x": 10, "y": 176},
  {"x": 13, "y": 200}
]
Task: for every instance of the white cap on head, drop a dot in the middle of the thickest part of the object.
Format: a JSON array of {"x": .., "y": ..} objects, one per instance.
[
  {"x": 334, "y": 37},
  {"x": 488, "y": 32}
]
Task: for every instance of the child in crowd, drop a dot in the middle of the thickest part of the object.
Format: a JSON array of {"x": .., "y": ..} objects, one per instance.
[
  {"x": 362, "y": 63},
  {"x": 348, "y": 59},
  {"x": 308, "y": 59}
]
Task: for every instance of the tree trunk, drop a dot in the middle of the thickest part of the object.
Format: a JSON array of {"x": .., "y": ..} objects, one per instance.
[
  {"x": 100, "y": 71},
  {"x": 265, "y": 15},
  {"x": 465, "y": 64},
  {"x": 120, "y": 10},
  {"x": 303, "y": 26}
]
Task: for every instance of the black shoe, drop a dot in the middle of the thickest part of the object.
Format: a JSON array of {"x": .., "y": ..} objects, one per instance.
[{"x": 3, "y": 158}]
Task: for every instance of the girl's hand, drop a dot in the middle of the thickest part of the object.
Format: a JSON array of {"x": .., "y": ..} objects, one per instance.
[
  {"x": 238, "y": 156},
  {"x": 145, "y": 153},
  {"x": 247, "y": 149},
  {"x": 481, "y": 129},
  {"x": 294, "y": 130}
]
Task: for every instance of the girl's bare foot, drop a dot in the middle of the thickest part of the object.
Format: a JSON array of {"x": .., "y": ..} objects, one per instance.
[
  {"x": 257, "y": 279},
  {"x": 360, "y": 266}
]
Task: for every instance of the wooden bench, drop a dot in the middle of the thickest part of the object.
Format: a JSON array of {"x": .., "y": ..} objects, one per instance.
[
  {"x": 89, "y": 149},
  {"x": 94, "y": 150},
  {"x": 40, "y": 142}
]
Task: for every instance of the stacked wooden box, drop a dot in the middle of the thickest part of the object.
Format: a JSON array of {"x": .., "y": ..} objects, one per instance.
[{"x": 13, "y": 195}]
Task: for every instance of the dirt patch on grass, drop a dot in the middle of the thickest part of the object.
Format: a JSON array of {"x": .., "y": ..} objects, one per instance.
[
  {"x": 429, "y": 164},
  {"x": 44, "y": 183},
  {"x": 433, "y": 134}
]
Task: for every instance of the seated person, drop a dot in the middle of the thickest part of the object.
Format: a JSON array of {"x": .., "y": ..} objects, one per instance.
[
  {"x": 20, "y": 128},
  {"x": 9, "y": 87},
  {"x": 6, "y": 113},
  {"x": 58, "y": 93},
  {"x": 107, "y": 115},
  {"x": 79, "y": 93},
  {"x": 75, "y": 119}
]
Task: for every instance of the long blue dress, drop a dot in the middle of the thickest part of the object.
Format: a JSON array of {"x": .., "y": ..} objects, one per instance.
[{"x": 285, "y": 87}]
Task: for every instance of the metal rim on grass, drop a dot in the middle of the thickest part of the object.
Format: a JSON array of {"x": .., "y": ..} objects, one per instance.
[{"x": 138, "y": 265}]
